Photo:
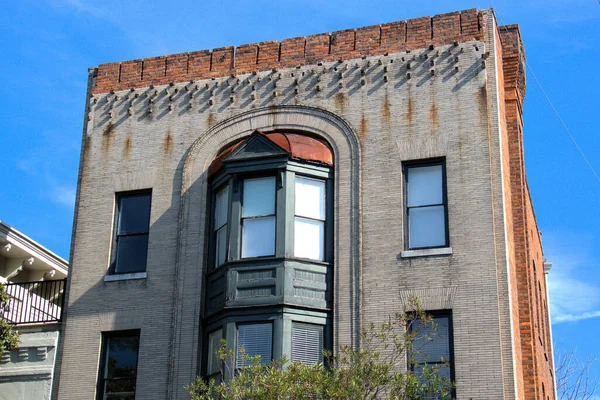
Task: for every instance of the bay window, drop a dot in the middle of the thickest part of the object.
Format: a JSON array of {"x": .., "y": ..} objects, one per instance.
[{"x": 270, "y": 245}]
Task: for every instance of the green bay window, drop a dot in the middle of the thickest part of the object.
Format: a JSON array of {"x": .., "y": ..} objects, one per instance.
[{"x": 271, "y": 250}]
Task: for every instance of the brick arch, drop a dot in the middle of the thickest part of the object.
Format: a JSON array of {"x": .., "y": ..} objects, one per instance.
[{"x": 345, "y": 145}]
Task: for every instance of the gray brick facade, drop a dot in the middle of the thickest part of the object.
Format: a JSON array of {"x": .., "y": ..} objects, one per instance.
[{"x": 376, "y": 113}]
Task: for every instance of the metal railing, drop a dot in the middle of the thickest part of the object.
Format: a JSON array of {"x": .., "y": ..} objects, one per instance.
[{"x": 34, "y": 302}]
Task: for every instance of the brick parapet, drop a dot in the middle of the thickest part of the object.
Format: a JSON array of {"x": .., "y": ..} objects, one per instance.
[{"x": 347, "y": 44}]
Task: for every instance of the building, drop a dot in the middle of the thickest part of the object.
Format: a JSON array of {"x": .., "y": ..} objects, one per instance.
[
  {"x": 284, "y": 195},
  {"x": 34, "y": 278}
]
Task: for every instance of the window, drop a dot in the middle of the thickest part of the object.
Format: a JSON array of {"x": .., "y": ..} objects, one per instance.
[
  {"x": 220, "y": 225},
  {"x": 432, "y": 345},
  {"x": 131, "y": 234},
  {"x": 258, "y": 217},
  {"x": 214, "y": 345},
  {"x": 307, "y": 343},
  {"x": 256, "y": 340},
  {"x": 118, "y": 366},
  {"x": 309, "y": 219},
  {"x": 426, "y": 205},
  {"x": 269, "y": 205}
]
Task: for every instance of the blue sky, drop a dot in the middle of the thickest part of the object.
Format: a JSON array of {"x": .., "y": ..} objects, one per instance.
[{"x": 49, "y": 44}]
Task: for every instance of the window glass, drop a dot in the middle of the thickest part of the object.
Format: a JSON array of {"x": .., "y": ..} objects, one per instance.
[
  {"x": 310, "y": 198},
  {"x": 307, "y": 343},
  {"x": 132, "y": 252},
  {"x": 221, "y": 214},
  {"x": 214, "y": 345},
  {"x": 309, "y": 238},
  {"x": 256, "y": 340},
  {"x": 258, "y": 237},
  {"x": 431, "y": 346},
  {"x": 221, "y": 245},
  {"x": 221, "y": 207},
  {"x": 131, "y": 237},
  {"x": 259, "y": 197},
  {"x": 425, "y": 185},
  {"x": 120, "y": 367},
  {"x": 427, "y": 226},
  {"x": 134, "y": 213}
]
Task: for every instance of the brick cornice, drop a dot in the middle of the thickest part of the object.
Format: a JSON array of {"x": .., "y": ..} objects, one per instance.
[{"x": 341, "y": 45}]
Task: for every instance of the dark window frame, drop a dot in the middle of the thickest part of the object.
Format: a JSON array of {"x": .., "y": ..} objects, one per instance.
[
  {"x": 418, "y": 164},
  {"x": 106, "y": 336},
  {"x": 113, "y": 270},
  {"x": 438, "y": 314}
]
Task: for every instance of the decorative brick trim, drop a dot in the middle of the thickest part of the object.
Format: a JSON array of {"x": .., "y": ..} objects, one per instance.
[{"x": 347, "y": 44}]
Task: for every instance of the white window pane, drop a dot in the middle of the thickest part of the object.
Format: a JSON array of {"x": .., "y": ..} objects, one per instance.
[
  {"x": 309, "y": 237},
  {"x": 259, "y": 197},
  {"x": 426, "y": 227},
  {"x": 258, "y": 237},
  {"x": 310, "y": 198},
  {"x": 221, "y": 207},
  {"x": 256, "y": 340},
  {"x": 214, "y": 344},
  {"x": 425, "y": 185},
  {"x": 221, "y": 250}
]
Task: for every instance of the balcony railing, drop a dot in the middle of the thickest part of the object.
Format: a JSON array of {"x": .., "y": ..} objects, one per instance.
[{"x": 34, "y": 302}]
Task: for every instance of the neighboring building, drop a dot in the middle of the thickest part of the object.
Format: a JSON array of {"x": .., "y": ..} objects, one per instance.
[
  {"x": 34, "y": 278},
  {"x": 284, "y": 195}
]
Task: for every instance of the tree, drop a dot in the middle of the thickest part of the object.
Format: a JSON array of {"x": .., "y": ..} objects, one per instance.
[
  {"x": 9, "y": 337},
  {"x": 573, "y": 378},
  {"x": 376, "y": 370}
]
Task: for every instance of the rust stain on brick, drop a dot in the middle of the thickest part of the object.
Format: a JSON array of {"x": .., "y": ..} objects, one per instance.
[
  {"x": 482, "y": 101},
  {"x": 386, "y": 117},
  {"x": 211, "y": 120},
  {"x": 107, "y": 136},
  {"x": 433, "y": 116},
  {"x": 127, "y": 147},
  {"x": 409, "y": 109},
  {"x": 363, "y": 130},
  {"x": 168, "y": 143},
  {"x": 340, "y": 102}
]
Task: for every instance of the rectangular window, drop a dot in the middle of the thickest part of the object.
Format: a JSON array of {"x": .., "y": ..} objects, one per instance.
[
  {"x": 214, "y": 345},
  {"x": 256, "y": 340},
  {"x": 258, "y": 217},
  {"x": 307, "y": 343},
  {"x": 426, "y": 205},
  {"x": 131, "y": 234},
  {"x": 118, "y": 367},
  {"x": 220, "y": 225},
  {"x": 309, "y": 220},
  {"x": 432, "y": 345}
]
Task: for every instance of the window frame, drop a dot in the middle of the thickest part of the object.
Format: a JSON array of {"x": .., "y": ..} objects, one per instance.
[
  {"x": 437, "y": 314},
  {"x": 106, "y": 336},
  {"x": 116, "y": 226},
  {"x": 406, "y": 166},
  {"x": 285, "y": 175}
]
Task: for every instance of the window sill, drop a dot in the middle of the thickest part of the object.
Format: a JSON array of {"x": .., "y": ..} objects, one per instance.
[
  {"x": 125, "y": 277},
  {"x": 443, "y": 251}
]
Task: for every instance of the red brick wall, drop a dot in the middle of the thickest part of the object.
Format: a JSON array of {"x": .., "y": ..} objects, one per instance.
[
  {"x": 533, "y": 345},
  {"x": 506, "y": 182},
  {"x": 348, "y": 44}
]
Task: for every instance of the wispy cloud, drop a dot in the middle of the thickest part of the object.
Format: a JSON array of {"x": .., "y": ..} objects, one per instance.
[
  {"x": 62, "y": 195},
  {"x": 572, "y": 297}
]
